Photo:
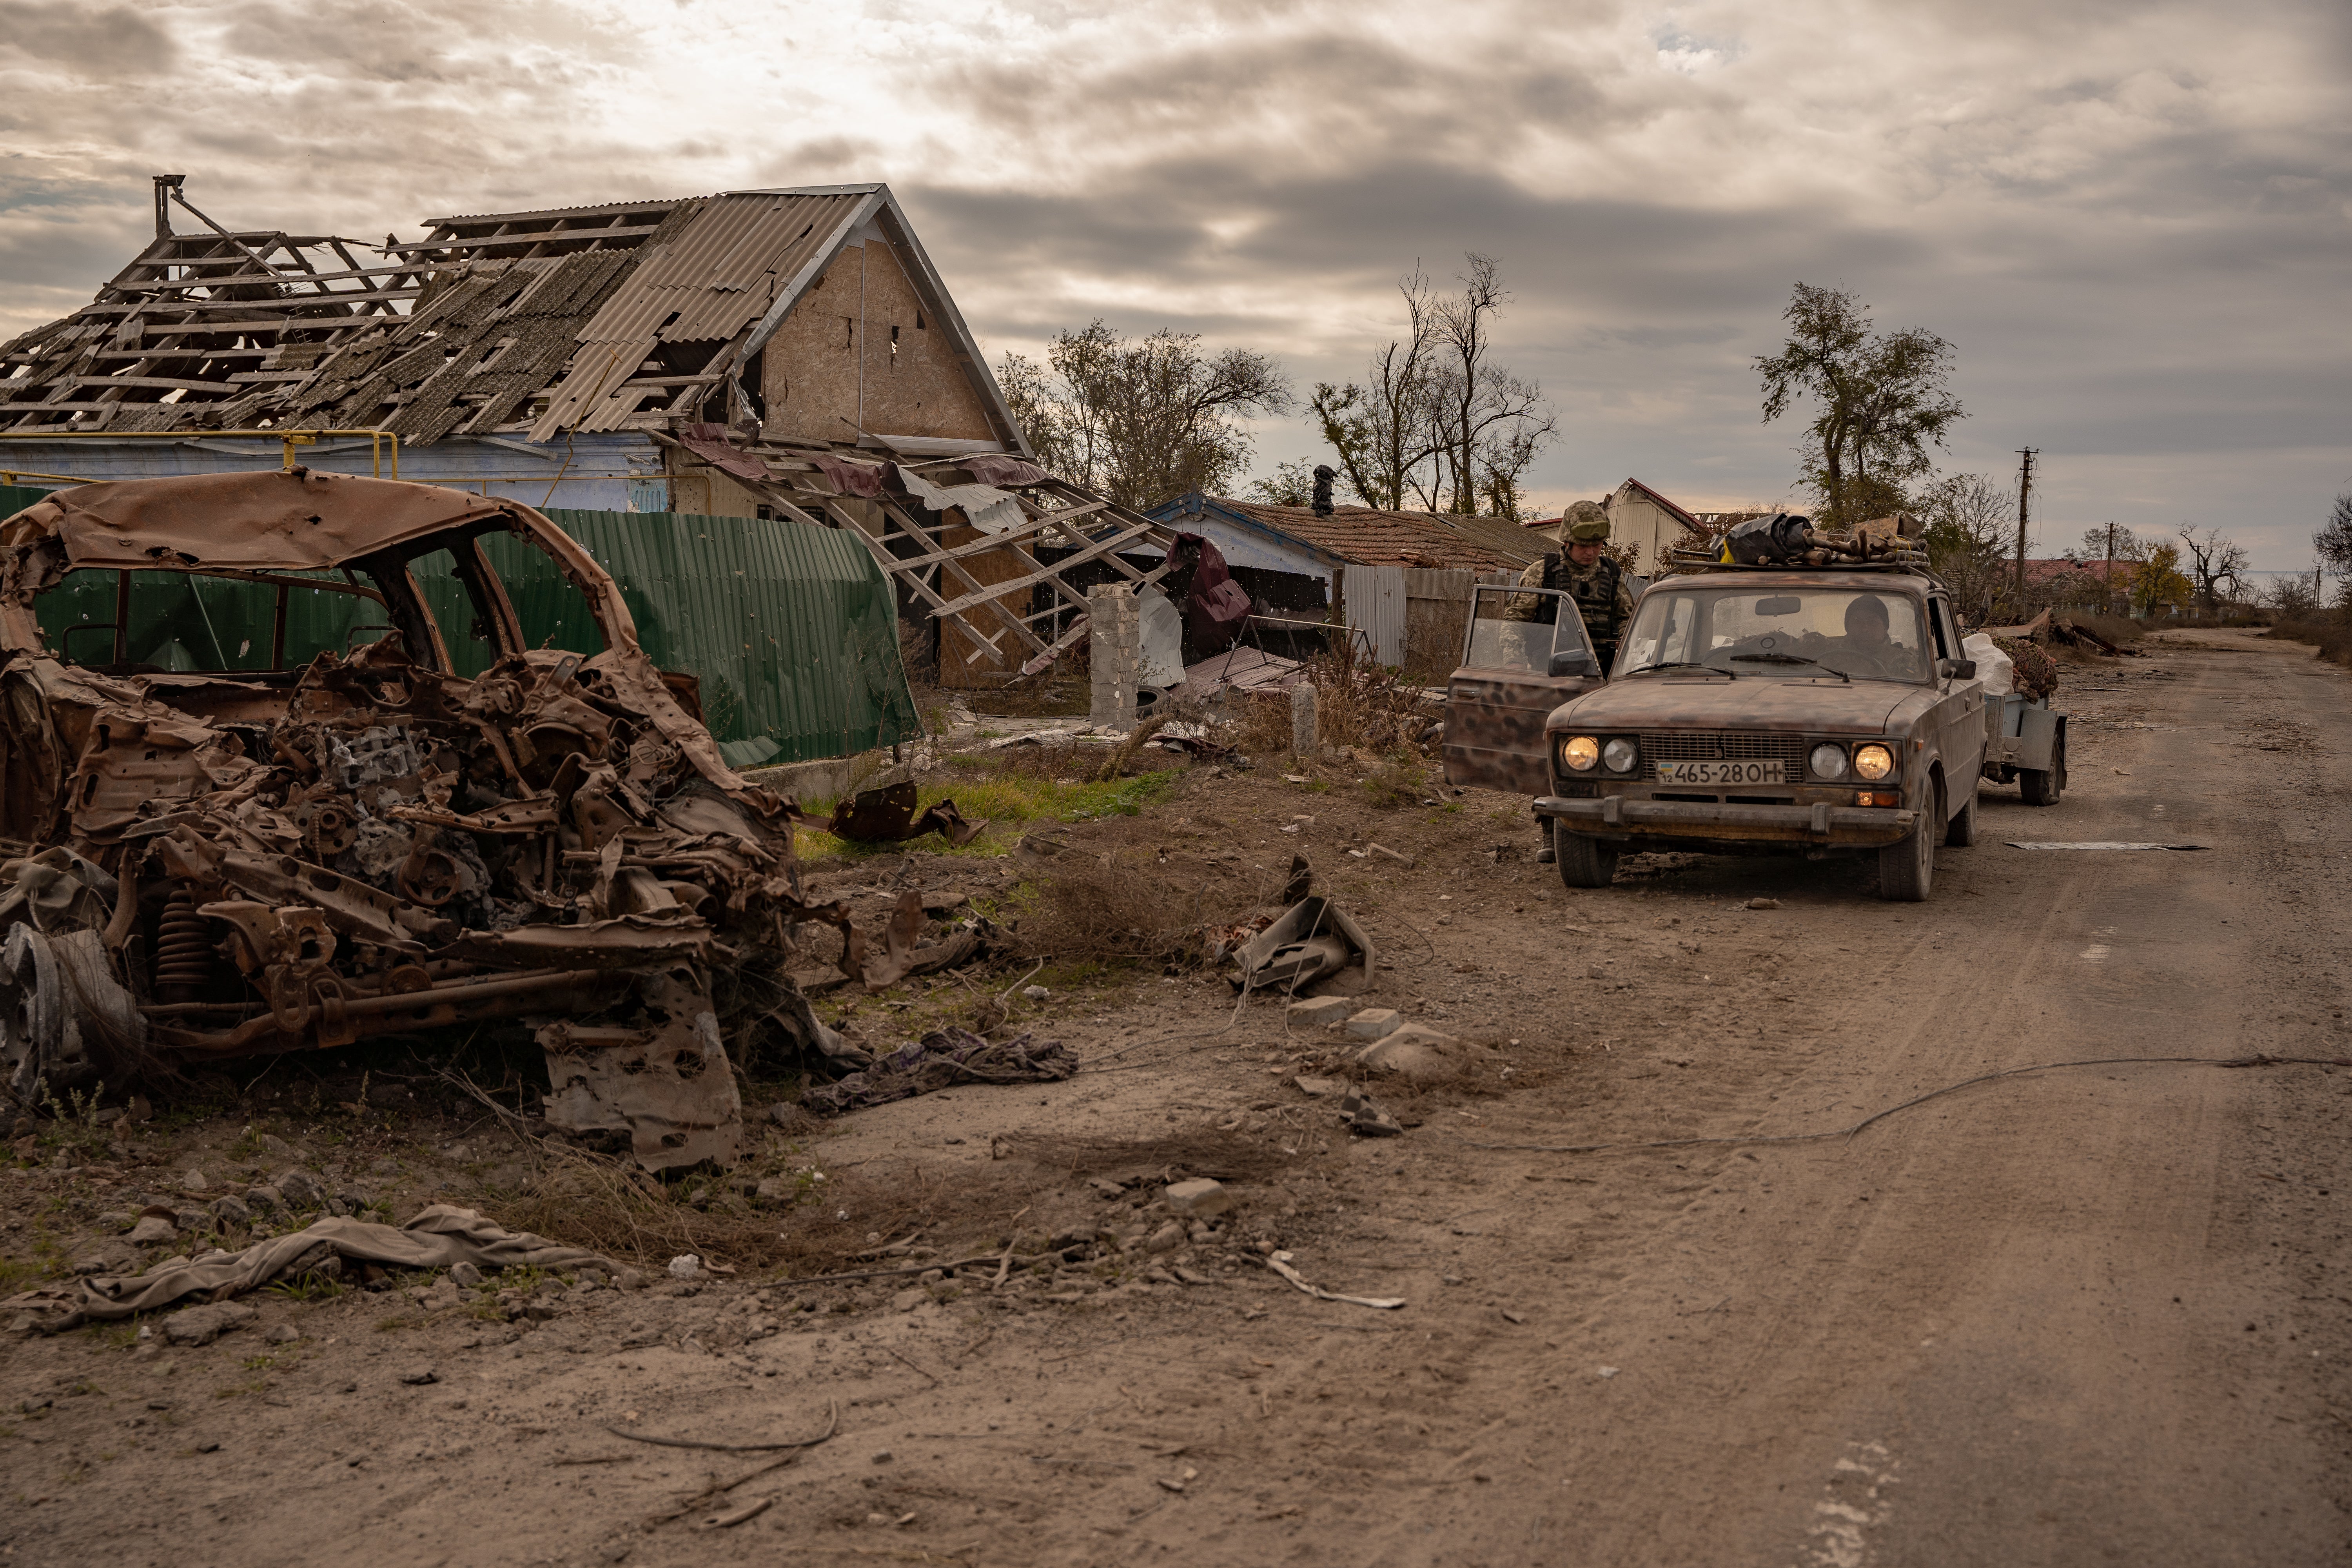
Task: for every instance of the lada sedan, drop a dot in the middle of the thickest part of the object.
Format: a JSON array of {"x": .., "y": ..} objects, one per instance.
[{"x": 1816, "y": 711}]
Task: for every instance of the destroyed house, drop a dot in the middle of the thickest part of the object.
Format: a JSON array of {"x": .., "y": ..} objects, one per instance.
[
  {"x": 1402, "y": 578},
  {"x": 790, "y": 356}
]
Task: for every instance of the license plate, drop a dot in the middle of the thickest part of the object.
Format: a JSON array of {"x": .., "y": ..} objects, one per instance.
[{"x": 1723, "y": 773}]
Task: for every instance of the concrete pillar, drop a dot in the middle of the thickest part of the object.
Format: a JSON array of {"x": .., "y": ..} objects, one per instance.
[
  {"x": 1114, "y": 653},
  {"x": 1304, "y": 740}
]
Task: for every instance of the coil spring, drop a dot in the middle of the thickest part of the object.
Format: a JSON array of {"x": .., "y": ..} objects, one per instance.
[{"x": 183, "y": 951}]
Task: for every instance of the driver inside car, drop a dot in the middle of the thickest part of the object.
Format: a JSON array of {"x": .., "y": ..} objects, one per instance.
[{"x": 1867, "y": 651}]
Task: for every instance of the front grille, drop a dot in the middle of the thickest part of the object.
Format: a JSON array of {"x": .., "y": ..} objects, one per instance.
[{"x": 1724, "y": 745}]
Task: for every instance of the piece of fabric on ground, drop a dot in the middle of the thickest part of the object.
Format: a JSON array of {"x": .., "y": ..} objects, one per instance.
[
  {"x": 939, "y": 1061},
  {"x": 438, "y": 1237}
]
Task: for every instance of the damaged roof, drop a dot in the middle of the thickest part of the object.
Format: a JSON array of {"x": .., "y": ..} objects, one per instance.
[
  {"x": 630, "y": 315},
  {"x": 1368, "y": 536}
]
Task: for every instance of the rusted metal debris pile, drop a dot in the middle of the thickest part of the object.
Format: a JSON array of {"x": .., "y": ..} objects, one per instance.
[{"x": 273, "y": 859}]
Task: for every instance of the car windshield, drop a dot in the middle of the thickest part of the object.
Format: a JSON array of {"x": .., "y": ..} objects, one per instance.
[{"x": 1803, "y": 634}]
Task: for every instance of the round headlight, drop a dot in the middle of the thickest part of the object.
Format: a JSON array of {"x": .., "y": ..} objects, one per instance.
[
  {"x": 1580, "y": 753},
  {"x": 1873, "y": 762},
  {"x": 1828, "y": 762},
  {"x": 1620, "y": 755}
]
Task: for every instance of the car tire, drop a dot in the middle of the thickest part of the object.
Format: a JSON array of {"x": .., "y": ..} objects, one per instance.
[
  {"x": 1960, "y": 832},
  {"x": 1584, "y": 862},
  {"x": 1906, "y": 872}
]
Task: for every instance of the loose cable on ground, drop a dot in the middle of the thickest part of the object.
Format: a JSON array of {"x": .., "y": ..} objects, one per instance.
[{"x": 2260, "y": 1060}]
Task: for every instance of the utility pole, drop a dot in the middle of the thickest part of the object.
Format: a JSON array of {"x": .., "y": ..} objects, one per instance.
[
  {"x": 2024, "y": 490},
  {"x": 2107, "y": 582}
]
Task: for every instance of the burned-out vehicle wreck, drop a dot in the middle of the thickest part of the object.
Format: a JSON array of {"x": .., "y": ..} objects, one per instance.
[{"x": 277, "y": 773}]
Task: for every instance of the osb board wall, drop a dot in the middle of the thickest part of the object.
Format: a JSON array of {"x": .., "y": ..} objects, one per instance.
[
  {"x": 1437, "y": 617},
  {"x": 957, "y": 667},
  {"x": 913, "y": 385}
]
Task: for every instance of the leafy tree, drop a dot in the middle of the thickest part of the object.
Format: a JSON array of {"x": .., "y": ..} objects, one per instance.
[
  {"x": 1141, "y": 420},
  {"x": 1881, "y": 397},
  {"x": 2158, "y": 583}
]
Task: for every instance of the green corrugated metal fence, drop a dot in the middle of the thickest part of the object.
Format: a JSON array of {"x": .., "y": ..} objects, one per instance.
[{"x": 792, "y": 630}]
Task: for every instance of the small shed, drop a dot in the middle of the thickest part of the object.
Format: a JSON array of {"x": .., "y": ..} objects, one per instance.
[{"x": 1401, "y": 578}]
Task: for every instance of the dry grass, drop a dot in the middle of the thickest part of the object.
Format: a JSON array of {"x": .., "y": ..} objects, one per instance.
[{"x": 2331, "y": 636}]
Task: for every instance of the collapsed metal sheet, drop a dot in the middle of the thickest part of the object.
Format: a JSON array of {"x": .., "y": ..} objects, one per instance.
[{"x": 666, "y": 1082}]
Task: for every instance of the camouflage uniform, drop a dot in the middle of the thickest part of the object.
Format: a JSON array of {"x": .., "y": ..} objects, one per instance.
[{"x": 1599, "y": 591}]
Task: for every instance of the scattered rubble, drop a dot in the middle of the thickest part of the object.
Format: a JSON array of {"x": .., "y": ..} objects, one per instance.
[{"x": 947, "y": 1057}]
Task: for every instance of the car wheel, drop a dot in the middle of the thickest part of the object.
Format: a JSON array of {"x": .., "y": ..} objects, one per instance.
[
  {"x": 1961, "y": 831},
  {"x": 1907, "y": 871},
  {"x": 1584, "y": 862}
]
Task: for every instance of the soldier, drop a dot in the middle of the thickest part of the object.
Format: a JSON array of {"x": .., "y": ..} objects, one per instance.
[
  {"x": 1597, "y": 585},
  {"x": 1596, "y": 582}
]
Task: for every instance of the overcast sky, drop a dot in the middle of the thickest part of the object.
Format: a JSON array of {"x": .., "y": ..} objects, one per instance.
[{"x": 2132, "y": 220}]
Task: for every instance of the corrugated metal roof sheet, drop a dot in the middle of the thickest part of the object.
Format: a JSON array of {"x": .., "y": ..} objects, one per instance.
[
  {"x": 715, "y": 277},
  {"x": 475, "y": 220},
  {"x": 1373, "y": 537}
]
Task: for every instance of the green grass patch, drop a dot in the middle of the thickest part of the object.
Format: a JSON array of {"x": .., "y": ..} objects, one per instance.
[{"x": 1011, "y": 802}]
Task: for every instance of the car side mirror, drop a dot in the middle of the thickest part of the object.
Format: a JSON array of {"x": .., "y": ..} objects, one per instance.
[
  {"x": 1572, "y": 661},
  {"x": 1956, "y": 669}
]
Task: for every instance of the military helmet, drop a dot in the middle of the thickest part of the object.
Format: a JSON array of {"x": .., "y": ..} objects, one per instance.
[{"x": 1588, "y": 530}]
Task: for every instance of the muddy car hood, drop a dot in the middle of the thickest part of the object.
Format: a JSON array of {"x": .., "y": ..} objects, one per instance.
[{"x": 1749, "y": 703}]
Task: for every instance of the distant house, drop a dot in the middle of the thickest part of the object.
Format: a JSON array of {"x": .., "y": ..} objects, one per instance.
[
  {"x": 1403, "y": 578},
  {"x": 1638, "y": 517}
]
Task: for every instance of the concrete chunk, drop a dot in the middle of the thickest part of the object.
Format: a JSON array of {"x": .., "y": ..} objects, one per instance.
[
  {"x": 1199, "y": 1197},
  {"x": 203, "y": 1325},
  {"x": 1319, "y": 1011},
  {"x": 1374, "y": 1023}
]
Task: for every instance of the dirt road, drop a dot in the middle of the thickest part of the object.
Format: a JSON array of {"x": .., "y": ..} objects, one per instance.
[{"x": 2080, "y": 1316}]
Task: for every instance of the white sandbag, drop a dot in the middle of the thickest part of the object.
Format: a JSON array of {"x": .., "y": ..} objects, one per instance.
[{"x": 1993, "y": 667}]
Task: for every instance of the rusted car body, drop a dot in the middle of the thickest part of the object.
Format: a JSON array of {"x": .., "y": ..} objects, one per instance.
[
  {"x": 1523, "y": 653},
  {"x": 1747, "y": 713},
  {"x": 322, "y": 844}
]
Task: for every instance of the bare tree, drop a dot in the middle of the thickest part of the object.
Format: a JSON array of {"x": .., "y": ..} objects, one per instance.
[
  {"x": 1491, "y": 423},
  {"x": 2214, "y": 559},
  {"x": 1143, "y": 420},
  {"x": 1967, "y": 519},
  {"x": 2333, "y": 541},
  {"x": 1436, "y": 424},
  {"x": 1381, "y": 427},
  {"x": 1881, "y": 401}
]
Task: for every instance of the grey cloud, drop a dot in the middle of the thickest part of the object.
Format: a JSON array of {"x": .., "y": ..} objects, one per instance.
[{"x": 91, "y": 41}]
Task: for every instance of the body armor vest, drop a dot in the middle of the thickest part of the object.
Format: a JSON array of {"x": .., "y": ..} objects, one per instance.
[{"x": 1595, "y": 593}]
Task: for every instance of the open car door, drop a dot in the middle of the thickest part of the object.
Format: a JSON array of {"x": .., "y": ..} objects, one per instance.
[{"x": 1524, "y": 654}]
